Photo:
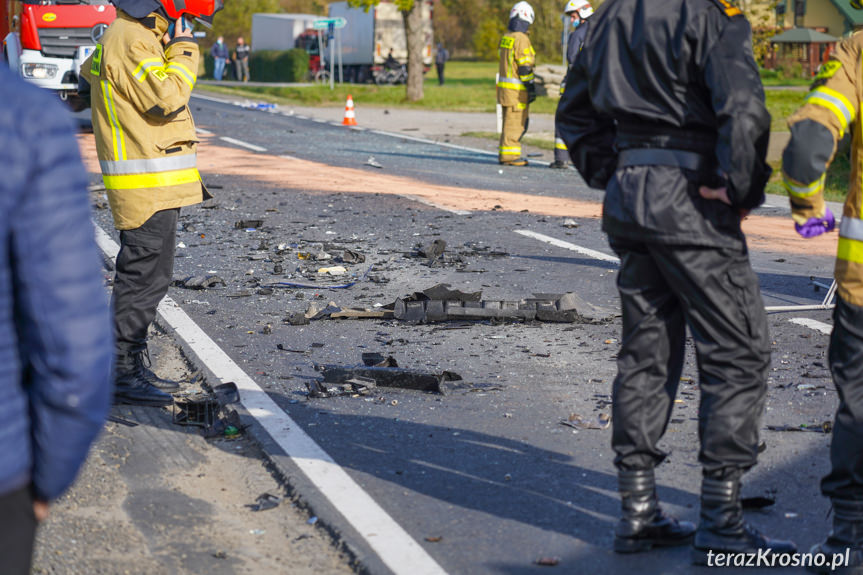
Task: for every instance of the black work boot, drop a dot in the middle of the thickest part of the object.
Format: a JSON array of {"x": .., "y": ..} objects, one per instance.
[
  {"x": 143, "y": 358},
  {"x": 845, "y": 542},
  {"x": 722, "y": 528},
  {"x": 132, "y": 388},
  {"x": 644, "y": 525}
]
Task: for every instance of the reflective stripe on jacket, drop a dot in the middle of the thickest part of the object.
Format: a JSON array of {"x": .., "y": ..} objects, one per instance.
[
  {"x": 516, "y": 54},
  {"x": 831, "y": 110},
  {"x": 145, "y": 135}
]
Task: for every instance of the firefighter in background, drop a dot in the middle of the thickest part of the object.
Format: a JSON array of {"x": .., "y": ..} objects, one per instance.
[
  {"x": 832, "y": 110},
  {"x": 141, "y": 77},
  {"x": 515, "y": 87},
  {"x": 578, "y": 11},
  {"x": 664, "y": 109}
]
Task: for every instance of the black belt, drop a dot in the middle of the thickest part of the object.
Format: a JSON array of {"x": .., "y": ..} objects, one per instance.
[{"x": 663, "y": 157}]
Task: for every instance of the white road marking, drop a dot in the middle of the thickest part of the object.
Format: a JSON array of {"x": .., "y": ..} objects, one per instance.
[
  {"x": 820, "y": 326},
  {"x": 204, "y": 132},
  {"x": 434, "y": 205},
  {"x": 243, "y": 144},
  {"x": 388, "y": 539},
  {"x": 562, "y": 244},
  {"x": 287, "y": 157}
]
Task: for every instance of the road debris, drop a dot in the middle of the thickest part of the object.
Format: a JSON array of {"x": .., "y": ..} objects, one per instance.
[
  {"x": 576, "y": 421},
  {"x": 825, "y": 427},
  {"x": 548, "y": 561},
  {"x": 560, "y": 308},
  {"x": 265, "y": 501},
  {"x": 373, "y": 163},
  {"x": 367, "y": 376},
  {"x": 200, "y": 282}
]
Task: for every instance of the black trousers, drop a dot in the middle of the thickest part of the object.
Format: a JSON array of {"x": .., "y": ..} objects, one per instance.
[
  {"x": 145, "y": 267},
  {"x": 663, "y": 289},
  {"x": 845, "y": 480},
  {"x": 440, "y": 78},
  {"x": 17, "y": 532}
]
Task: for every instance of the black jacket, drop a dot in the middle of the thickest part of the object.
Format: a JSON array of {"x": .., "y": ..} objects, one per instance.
[
  {"x": 669, "y": 74},
  {"x": 576, "y": 41}
]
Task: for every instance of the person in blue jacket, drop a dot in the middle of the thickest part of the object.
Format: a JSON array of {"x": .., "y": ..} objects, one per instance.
[{"x": 56, "y": 340}]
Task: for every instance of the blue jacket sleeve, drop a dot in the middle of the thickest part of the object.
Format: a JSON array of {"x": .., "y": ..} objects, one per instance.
[{"x": 61, "y": 308}]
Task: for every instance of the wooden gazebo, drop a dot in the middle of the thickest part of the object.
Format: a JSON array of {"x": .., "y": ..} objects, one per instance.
[{"x": 804, "y": 45}]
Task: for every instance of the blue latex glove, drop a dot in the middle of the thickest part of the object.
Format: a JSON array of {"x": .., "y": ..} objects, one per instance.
[{"x": 817, "y": 226}]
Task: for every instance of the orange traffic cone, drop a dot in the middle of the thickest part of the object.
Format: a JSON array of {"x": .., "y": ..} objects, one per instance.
[{"x": 350, "y": 117}]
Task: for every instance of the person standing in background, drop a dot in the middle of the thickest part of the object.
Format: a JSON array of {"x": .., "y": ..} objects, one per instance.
[
  {"x": 219, "y": 52},
  {"x": 516, "y": 87},
  {"x": 440, "y": 61},
  {"x": 241, "y": 60},
  {"x": 56, "y": 342}
]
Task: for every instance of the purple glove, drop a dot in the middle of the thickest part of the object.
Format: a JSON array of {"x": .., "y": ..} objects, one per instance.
[{"x": 817, "y": 226}]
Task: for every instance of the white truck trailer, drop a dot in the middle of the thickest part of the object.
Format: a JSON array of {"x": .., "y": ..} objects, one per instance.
[{"x": 369, "y": 36}]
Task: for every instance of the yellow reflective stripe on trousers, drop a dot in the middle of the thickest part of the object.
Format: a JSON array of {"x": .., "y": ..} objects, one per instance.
[
  {"x": 183, "y": 72},
  {"x": 148, "y": 166},
  {"x": 799, "y": 191},
  {"x": 559, "y": 144},
  {"x": 159, "y": 180},
  {"x": 510, "y": 151},
  {"x": 145, "y": 66},
  {"x": 836, "y": 103},
  {"x": 117, "y": 138}
]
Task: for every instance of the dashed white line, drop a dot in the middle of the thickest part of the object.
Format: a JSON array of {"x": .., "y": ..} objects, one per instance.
[
  {"x": 395, "y": 547},
  {"x": 566, "y": 245},
  {"x": 243, "y": 144},
  {"x": 820, "y": 326},
  {"x": 204, "y": 132}
]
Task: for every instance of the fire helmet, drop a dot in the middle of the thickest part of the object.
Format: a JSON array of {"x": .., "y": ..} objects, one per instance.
[
  {"x": 580, "y": 7},
  {"x": 193, "y": 8},
  {"x": 202, "y": 10},
  {"x": 522, "y": 11}
]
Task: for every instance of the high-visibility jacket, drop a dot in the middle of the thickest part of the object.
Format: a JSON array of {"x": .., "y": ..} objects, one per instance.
[
  {"x": 831, "y": 110},
  {"x": 145, "y": 135},
  {"x": 517, "y": 60}
]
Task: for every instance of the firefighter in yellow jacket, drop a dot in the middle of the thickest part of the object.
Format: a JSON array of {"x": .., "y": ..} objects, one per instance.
[
  {"x": 832, "y": 109},
  {"x": 140, "y": 78},
  {"x": 515, "y": 87}
]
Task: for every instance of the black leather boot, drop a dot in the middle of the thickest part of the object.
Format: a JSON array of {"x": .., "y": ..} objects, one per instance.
[
  {"x": 132, "y": 388},
  {"x": 722, "y": 528},
  {"x": 845, "y": 542},
  {"x": 169, "y": 386},
  {"x": 643, "y": 524}
]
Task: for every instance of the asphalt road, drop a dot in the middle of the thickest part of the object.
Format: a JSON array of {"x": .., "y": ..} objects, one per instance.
[{"x": 485, "y": 479}]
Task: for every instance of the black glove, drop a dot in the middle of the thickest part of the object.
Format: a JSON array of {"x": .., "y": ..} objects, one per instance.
[{"x": 531, "y": 92}]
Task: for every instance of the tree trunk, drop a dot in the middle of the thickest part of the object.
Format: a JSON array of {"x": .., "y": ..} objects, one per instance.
[{"x": 415, "y": 40}]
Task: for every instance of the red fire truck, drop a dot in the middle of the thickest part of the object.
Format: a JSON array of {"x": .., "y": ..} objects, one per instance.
[{"x": 46, "y": 41}]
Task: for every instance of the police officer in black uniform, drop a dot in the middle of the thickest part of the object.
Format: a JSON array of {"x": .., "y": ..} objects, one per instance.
[{"x": 664, "y": 109}]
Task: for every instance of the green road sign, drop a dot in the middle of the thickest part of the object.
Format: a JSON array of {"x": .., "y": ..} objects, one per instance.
[{"x": 324, "y": 23}]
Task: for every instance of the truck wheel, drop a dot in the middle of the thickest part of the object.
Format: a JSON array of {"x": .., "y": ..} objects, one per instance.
[{"x": 322, "y": 76}]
